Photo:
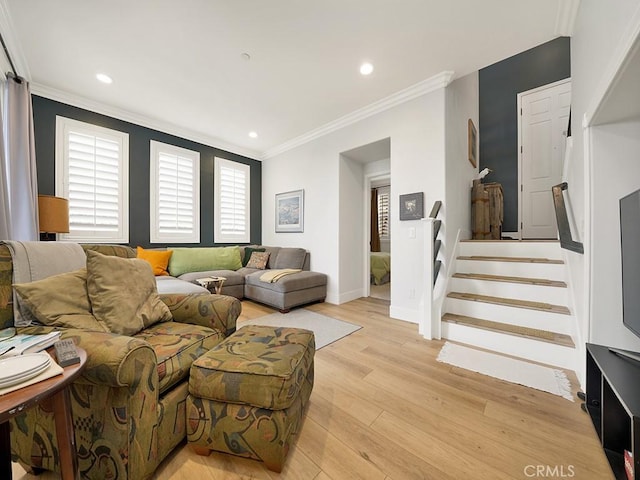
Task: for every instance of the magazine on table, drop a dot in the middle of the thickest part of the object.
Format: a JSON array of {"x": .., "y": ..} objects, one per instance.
[{"x": 23, "y": 343}]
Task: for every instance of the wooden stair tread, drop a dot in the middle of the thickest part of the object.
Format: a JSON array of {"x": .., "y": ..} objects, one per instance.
[
  {"x": 501, "y": 278},
  {"x": 526, "y": 332},
  {"x": 511, "y": 302},
  {"x": 511, "y": 259}
]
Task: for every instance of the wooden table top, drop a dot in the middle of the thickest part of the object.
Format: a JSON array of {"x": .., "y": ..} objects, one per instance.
[{"x": 15, "y": 402}]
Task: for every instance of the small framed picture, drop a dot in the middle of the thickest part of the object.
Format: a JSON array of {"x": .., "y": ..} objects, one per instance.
[
  {"x": 412, "y": 206},
  {"x": 473, "y": 144},
  {"x": 290, "y": 211}
]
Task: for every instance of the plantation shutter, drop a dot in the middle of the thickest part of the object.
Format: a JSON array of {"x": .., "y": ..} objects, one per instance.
[
  {"x": 232, "y": 208},
  {"x": 91, "y": 171},
  {"x": 174, "y": 194},
  {"x": 383, "y": 214}
]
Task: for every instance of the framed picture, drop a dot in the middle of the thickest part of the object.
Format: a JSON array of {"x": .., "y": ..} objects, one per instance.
[
  {"x": 473, "y": 144},
  {"x": 290, "y": 211},
  {"x": 412, "y": 206}
]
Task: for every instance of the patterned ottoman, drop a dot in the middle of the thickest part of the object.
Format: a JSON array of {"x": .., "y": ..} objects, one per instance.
[{"x": 247, "y": 394}]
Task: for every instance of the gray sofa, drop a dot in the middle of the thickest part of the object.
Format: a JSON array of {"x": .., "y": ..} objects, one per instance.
[{"x": 288, "y": 292}]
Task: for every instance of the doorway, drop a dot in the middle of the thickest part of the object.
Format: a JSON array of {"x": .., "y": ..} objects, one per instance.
[
  {"x": 380, "y": 239},
  {"x": 542, "y": 136}
]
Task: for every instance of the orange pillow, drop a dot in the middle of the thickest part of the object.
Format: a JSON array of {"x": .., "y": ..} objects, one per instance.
[{"x": 159, "y": 259}]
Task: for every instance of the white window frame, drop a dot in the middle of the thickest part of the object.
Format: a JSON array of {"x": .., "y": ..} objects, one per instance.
[
  {"x": 384, "y": 191},
  {"x": 64, "y": 126},
  {"x": 155, "y": 236},
  {"x": 218, "y": 235}
]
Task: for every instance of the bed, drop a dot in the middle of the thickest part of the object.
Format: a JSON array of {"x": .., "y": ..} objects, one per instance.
[{"x": 380, "y": 267}]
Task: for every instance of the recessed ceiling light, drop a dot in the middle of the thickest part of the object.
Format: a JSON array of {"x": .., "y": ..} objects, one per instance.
[
  {"x": 253, "y": 134},
  {"x": 104, "y": 78},
  {"x": 366, "y": 68}
]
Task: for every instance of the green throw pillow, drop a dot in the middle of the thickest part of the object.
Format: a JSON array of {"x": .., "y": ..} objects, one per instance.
[
  {"x": 247, "y": 254},
  {"x": 203, "y": 259},
  {"x": 123, "y": 293},
  {"x": 60, "y": 301}
]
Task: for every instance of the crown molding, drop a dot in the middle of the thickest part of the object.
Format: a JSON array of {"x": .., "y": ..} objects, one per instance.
[
  {"x": 431, "y": 84},
  {"x": 566, "y": 17},
  {"x": 142, "y": 120}
]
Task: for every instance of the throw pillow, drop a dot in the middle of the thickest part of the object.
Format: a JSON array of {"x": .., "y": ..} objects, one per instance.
[
  {"x": 258, "y": 260},
  {"x": 247, "y": 254},
  {"x": 60, "y": 301},
  {"x": 204, "y": 259},
  {"x": 158, "y": 259},
  {"x": 123, "y": 293}
]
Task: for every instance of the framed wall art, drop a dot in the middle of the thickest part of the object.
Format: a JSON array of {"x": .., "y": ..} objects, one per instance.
[
  {"x": 412, "y": 206},
  {"x": 290, "y": 211},
  {"x": 473, "y": 143}
]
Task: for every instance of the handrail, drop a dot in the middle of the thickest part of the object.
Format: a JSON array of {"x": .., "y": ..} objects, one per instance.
[
  {"x": 564, "y": 229},
  {"x": 435, "y": 209}
]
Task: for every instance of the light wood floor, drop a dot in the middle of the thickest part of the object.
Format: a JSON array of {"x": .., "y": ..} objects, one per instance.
[{"x": 383, "y": 408}]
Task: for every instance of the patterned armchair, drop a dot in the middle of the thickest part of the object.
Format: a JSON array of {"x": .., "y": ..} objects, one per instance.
[{"x": 129, "y": 404}]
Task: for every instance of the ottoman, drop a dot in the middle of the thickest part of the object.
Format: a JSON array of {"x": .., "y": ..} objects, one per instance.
[{"x": 247, "y": 394}]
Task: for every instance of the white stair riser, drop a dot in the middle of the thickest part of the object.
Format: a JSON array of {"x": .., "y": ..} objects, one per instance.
[
  {"x": 523, "y": 317},
  {"x": 550, "y": 250},
  {"x": 548, "y": 353},
  {"x": 549, "y": 271},
  {"x": 534, "y": 293}
]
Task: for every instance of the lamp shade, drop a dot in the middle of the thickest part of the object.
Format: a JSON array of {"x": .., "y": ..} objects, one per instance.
[{"x": 53, "y": 214}]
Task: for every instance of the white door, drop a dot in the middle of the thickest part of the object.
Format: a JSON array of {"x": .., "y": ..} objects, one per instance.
[{"x": 544, "y": 117}]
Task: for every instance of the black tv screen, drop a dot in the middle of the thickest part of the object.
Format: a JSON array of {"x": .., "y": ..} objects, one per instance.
[{"x": 630, "y": 251}]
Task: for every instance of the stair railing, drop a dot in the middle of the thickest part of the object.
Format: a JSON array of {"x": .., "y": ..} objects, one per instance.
[
  {"x": 429, "y": 327},
  {"x": 436, "y": 243},
  {"x": 564, "y": 228}
]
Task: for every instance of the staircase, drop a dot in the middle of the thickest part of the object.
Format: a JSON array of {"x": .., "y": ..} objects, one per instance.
[{"x": 511, "y": 297}]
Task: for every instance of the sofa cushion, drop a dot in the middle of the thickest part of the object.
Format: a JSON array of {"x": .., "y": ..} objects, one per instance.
[
  {"x": 158, "y": 259},
  {"x": 289, "y": 283},
  {"x": 258, "y": 365},
  {"x": 200, "y": 259},
  {"x": 123, "y": 293},
  {"x": 247, "y": 254},
  {"x": 289, "y": 258},
  {"x": 232, "y": 277},
  {"x": 176, "y": 285},
  {"x": 60, "y": 301},
  {"x": 177, "y": 345},
  {"x": 258, "y": 260}
]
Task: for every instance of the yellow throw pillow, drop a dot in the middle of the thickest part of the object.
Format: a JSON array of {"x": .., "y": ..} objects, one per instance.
[
  {"x": 159, "y": 259},
  {"x": 60, "y": 301},
  {"x": 123, "y": 293}
]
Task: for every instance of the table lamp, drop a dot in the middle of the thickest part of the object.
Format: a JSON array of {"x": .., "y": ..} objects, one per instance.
[{"x": 53, "y": 215}]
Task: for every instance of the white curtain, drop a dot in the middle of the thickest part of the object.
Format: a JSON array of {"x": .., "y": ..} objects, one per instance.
[{"x": 19, "y": 183}]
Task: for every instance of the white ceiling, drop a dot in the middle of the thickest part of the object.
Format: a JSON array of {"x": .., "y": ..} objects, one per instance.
[{"x": 179, "y": 63}]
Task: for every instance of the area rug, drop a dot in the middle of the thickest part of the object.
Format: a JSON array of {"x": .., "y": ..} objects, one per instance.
[
  {"x": 326, "y": 329},
  {"x": 509, "y": 369}
]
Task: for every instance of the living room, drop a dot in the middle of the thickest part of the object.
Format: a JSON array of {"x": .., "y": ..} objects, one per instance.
[{"x": 428, "y": 154}]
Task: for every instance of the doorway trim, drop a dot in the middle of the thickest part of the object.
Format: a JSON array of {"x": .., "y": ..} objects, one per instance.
[{"x": 520, "y": 146}]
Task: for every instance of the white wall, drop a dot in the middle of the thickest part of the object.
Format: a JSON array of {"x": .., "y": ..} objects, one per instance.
[
  {"x": 600, "y": 172},
  {"x": 416, "y": 129}
]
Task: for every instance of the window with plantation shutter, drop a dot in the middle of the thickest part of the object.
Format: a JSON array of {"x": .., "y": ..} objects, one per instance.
[
  {"x": 383, "y": 214},
  {"x": 175, "y": 194},
  {"x": 231, "y": 205},
  {"x": 92, "y": 171}
]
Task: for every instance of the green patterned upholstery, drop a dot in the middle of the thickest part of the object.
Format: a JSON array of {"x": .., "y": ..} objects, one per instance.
[
  {"x": 247, "y": 395},
  {"x": 129, "y": 405}
]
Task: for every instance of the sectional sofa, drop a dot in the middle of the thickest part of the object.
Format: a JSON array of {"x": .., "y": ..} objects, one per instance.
[{"x": 299, "y": 286}]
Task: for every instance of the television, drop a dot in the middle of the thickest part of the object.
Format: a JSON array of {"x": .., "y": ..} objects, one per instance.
[{"x": 630, "y": 256}]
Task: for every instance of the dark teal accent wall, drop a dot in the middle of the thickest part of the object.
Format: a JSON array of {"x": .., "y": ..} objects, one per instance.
[
  {"x": 499, "y": 85},
  {"x": 44, "y": 114}
]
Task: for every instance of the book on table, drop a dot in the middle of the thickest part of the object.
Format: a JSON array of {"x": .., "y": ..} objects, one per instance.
[{"x": 19, "y": 344}]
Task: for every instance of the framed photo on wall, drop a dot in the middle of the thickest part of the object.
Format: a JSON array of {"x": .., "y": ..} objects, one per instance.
[
  {"x": 290, "y": 211},
  {"x": 412, "y": 206},
  {"x": 473, "y": 143}
]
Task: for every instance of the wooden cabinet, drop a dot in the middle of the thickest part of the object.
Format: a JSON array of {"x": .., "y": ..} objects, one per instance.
[{"x": 613, "y": 401}]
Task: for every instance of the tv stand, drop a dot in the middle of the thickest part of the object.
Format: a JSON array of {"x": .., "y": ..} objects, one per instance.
[
  {"x": 626, "y": 354},
  {"x": 613, "y": 402}
]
